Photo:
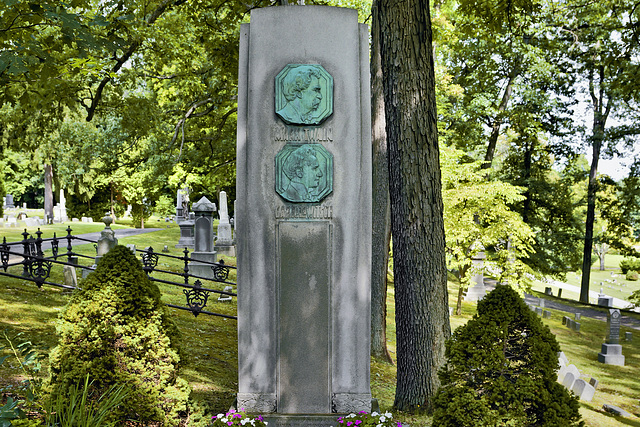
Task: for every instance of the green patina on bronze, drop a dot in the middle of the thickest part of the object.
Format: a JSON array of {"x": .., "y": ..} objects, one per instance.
[
  {"x": 304, "y": 94},
  {"x": 304, "y": 173}
]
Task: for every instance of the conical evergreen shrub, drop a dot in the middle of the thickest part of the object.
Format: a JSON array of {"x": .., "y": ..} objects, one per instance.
[
  {"x": 501, "y": 370},
  {"x": 117, "y": 331}
]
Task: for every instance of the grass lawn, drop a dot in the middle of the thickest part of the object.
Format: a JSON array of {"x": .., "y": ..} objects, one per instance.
[
  {"x": 611, "y": 280},
  {"x": 210, "y": 343}
]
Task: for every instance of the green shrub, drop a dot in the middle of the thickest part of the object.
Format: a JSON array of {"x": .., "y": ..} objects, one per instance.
[
  {"x": 629, "y": 264},
  {"x": 501, "y": 370},
  {"x": 117, "y": 331},
  {"x": 631, "y": 276}
]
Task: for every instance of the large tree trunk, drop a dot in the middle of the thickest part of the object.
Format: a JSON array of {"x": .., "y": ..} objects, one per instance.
[
  {"x": 417, "y": 226},
  {"x": 381, "y": 207},
  {"x": 48, "y": 192}
]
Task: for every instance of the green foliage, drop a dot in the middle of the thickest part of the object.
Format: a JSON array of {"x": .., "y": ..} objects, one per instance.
[
  {"x": 630, "y": 264},
  {"x": 83, "y": 410},
  {"x": 95, "y": 207},
  {"x": 165, "y": 206},
  {"x": 479, "y": 217},
  {"x": 26, "y": 358},
  {"x": 140, "y": 212},
  {"x": 501, "y": 370},
  {"x": 631, "y": 276},
  {"x": 117, "y": 331}
]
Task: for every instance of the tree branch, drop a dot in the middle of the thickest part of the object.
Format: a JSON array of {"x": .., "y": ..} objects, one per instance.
[{"x": 135, "y": 45}]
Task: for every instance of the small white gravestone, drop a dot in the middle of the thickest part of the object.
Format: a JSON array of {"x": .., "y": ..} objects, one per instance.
[
  {"x": 572, "y": 369},
  {"x": 568, "y": 380},
  {"x": 225, "y": 298},
  {"x": 70, "y": 277},
  {"x": 583, "y": 390}
]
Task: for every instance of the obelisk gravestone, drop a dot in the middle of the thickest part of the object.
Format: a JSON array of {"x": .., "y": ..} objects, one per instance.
[{"x": 304, "y": 215}]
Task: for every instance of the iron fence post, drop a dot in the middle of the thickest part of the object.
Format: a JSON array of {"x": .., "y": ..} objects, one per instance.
[
  {"x": 25, "y": 254},
  {"x": 69, "y": 247}
]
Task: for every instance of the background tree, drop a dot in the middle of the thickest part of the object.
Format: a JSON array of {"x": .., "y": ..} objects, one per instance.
[
  {"x": 416, "y": 201},
  {"x": 478, "y": 218},
  {"x": 381, "y": 238},
  {"x": 599, "y": 41}
]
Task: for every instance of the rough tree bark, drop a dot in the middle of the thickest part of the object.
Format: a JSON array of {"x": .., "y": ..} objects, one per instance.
[
  {"x": 48, "y": 192},
  {"x": 381, "y": 208},
  {"x": 417, "y": 226}
]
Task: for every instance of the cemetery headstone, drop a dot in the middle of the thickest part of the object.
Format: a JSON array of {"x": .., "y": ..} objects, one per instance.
[
  {"x": 583, "y": 390},
  {"x": 569, "y": 379},
  {"x": 224, "y": 240},
  {"x": 203, "y": 239},
  {"x": 615, "y": 410},
  {"x": 577, "y": 316},
  {"x": 226, "y": 298},
  {"x": 477, "y": 290},
  {"x": 182, "y": 205},
  {"x": 304, "y": 215},
  {"x": 107, "y": 240},
  {"x": 628, "y": 336},
  {"x": 604, "y": 300},
  {"x": 611, "y": 350},
  {"x": 8, "y": 202},
  {"x": 70, "y": 278},
  {"x": 187, "y": 232}
]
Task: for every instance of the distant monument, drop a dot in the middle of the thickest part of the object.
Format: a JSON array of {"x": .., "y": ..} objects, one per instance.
[
  {"x": 611, "y": 352},
  {"x": 224, "y": 240},
  {"x": 203, "y": 239},
  {"x": 303, "y": 218},
  {"x": 187, "y": 236}
]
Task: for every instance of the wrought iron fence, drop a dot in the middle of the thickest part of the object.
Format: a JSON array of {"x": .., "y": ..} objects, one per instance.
[{"x": 36, "y": 267}]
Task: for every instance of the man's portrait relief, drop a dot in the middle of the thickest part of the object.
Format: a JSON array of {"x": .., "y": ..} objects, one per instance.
[
  {"x": 304, "y": 172},
  {"x": 304, "y": 94}
]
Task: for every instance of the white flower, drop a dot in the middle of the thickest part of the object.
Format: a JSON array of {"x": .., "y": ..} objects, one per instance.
[
  {"x": 351, "y": 416},
  {"x": 379, "y": 425},
  {"x": 388, "y": 415},
  {"x": 382, "y": 419},
  {"x": 375, "y": 414}
]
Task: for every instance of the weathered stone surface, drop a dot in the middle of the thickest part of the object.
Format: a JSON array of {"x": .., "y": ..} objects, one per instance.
[
  {"x": 303, "y": 264},
  {"x": 611, "y": 354},
  {"x": 583, "y": 390},
  {"x": 615, "y": 410}
]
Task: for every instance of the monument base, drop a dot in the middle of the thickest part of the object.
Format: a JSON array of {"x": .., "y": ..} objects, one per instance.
[
  {"x": 201, "y": 269},
  {"x": 187, "y": 237},
  {"x": 475, "y": 293},
  {"x": 611, "y": 355},
  {"x": 298, "y": 420},
  {"x": 228, "y": 250}
]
